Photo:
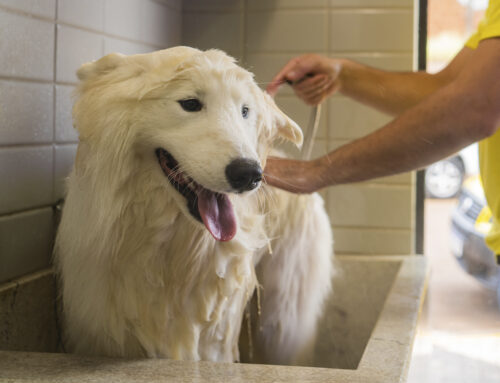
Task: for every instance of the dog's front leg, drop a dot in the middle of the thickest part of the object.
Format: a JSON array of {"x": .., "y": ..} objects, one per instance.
[{"x": 295, "y": 280}]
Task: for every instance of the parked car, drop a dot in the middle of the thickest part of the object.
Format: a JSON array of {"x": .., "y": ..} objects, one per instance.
[
  {"x": 444, "y": 178},
  {"x": 471, "y": 220}
]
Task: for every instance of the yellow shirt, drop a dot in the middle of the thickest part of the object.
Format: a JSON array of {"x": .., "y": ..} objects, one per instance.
[{"x": 489, "y": 149}]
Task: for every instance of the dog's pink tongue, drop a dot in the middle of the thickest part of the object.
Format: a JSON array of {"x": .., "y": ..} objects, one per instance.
[{"x": 217, "y": 214}]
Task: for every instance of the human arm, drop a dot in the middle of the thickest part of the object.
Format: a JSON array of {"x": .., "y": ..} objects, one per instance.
[
  {"x": 390, "y": 92},
  {"x": 464, "y": 111}
]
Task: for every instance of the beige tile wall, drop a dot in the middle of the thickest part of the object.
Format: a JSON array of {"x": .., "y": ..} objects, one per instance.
[
  {"x": 42, "y": 43},
  {"x": 375, "y": 217}
]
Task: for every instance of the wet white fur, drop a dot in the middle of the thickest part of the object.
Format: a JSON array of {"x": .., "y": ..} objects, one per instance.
[{"x": 141, "y": 277}]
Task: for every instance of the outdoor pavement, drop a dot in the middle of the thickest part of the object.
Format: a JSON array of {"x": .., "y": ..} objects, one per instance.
[{"x": 458, "y": 338}]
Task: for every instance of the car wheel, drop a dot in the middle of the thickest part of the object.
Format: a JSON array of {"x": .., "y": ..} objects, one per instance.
[{"x": 443, "y": 179}]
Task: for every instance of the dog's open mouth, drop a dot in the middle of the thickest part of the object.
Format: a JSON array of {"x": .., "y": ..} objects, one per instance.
[{"x": 213, "y": 209}]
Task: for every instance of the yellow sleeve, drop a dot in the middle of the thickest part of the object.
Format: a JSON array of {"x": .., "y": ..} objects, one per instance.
[{"x": 489, "y": 27}]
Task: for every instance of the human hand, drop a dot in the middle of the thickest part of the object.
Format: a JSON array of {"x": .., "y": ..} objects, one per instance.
[
  {"x": 302, "y": 177},
  {"x": 313, "y": 77}
]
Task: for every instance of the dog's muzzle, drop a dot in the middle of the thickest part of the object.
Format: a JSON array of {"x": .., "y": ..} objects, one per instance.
[{"x": 243, "y": 174}]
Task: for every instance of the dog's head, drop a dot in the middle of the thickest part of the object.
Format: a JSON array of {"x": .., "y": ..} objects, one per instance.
[{"x": 197, "y": 117}]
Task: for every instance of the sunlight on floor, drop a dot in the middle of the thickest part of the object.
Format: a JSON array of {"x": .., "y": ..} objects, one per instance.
[{"x": 458, "y": 338}]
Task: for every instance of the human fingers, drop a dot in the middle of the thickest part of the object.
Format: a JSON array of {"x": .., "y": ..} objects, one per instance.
[
  {"x": 315, "y": 94},
  {"x": 318, "y": 95},
  {"x": 282, "y": 76},
  {"x": 309, "y": 84},
  {"x": 298, "y": 69},
  {"x": 310, "y": 95}
]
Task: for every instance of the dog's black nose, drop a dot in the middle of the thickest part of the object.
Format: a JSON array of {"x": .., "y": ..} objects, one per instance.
[{"x": 244, "y": 174}]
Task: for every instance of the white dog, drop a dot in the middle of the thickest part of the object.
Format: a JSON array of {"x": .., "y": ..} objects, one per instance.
[{"x": 166, "y": 230}]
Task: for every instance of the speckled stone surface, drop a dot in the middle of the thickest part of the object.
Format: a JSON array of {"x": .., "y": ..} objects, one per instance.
[{"x": 368, "y": 330}]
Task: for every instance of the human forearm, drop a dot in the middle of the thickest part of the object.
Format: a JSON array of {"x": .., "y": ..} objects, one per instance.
[
  {"x": 436, "y": 128},
  {"x": 464, "y": 111},
  {"x": 455, "y": 116},
  {"x": 316, "y": 77},
  {"x": 389, "y": 92},
  {"x": 395, "y": 92}
]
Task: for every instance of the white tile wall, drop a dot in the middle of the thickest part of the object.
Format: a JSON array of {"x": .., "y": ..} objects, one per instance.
[
  {"x": 212, "y": 5},
  {"x": 372, "y": 3},
  {"x": 371, "y": 205},
  {"x": 122, "y": 18},
  {"x": 44, "y": 8},
  {"x": 26, "y": 174},
  {"x": 203, "y": 30},
  {"x": 87, "y": 14},
  {"x": 25, "y": 242},
  {"x": 279, "y": 31},
  {"x": 26, "y": 47},
  {"x": 176, "y": 5},
  {"x": 64, "y": 156},
  {"x": 371, "y": 241},
  {"x": 286, "y": 4},
  {"x": 371, "y": 30},
  {"x": 152, "y": 22},
  {"x": 112, "y": 45},
  {"x": 160, "y": 25},
  {"x": 26, "y": 112},
  {"x": 64, "y": 131},
  {"x": 387, "y": 61},
  {"x": 348, "y": 119},
  {"x": 39, "y": 55},
  {"x": 75, "y": 47}
]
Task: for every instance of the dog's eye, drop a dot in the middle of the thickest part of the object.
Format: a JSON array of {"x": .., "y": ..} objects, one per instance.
[
  {"x": 191, "y": 105},
  {"x": 245, "y": 111}
]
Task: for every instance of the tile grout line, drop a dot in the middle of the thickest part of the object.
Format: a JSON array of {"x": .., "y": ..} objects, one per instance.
[
  {"x": 359, "y": 10},
  {"x": 377, "y": 53},
  {"x": 36, "y": 81},
  {"x": 32, "y": 209},
  {"x": 326, "y": 107},
  {"x": 54, "y": 106},
  {"x": 37, "y": 144},
  {"x": 388, "y": 229},
  {"x": 103, "y": 3},
  {"x": 102, "y": 32},
  {"x": 327, "y": 48},
  {"x": 110, "y": 35},
  {"x": 244, "y": 23},
  {"x": 27, "y": 79},
  {"x": 36, "y": 16}
]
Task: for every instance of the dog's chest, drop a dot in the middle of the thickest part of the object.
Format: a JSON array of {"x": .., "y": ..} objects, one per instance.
[
  {"x": 219, "y": 332},
  {"x": 209, "y": 287}
]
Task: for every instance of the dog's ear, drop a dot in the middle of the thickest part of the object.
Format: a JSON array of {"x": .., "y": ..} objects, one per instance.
[
  {"x": 101, "y": 66},
  {"x": 286, "y": 127}
]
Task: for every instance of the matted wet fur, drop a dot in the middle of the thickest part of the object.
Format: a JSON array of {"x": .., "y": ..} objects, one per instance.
[{"x": 141, "y": 270}]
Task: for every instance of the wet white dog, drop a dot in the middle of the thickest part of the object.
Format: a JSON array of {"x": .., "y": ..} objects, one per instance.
[{"x": 167, "y": 228}]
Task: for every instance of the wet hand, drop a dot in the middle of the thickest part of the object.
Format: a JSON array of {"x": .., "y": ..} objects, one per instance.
[
  {"x": 313, "y": 77},
  {"x": 295, "y": 176}
]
